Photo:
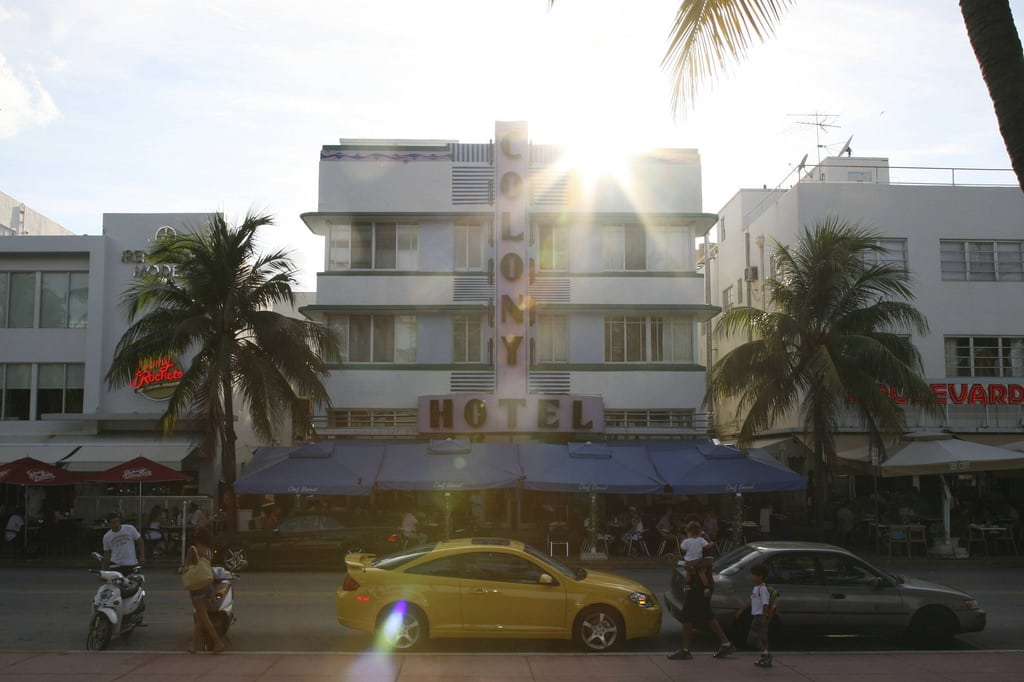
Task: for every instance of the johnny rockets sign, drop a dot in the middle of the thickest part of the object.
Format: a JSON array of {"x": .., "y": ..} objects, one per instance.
[
  {"x": 963, "y": 393},
  {"x": 511, "y": 407}
]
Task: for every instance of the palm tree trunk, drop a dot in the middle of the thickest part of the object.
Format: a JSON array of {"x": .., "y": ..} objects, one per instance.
[
  {"x": 820, "y": 483},
  {"x": 227, "y": 454},
  {"x": 997, "y": 47}
]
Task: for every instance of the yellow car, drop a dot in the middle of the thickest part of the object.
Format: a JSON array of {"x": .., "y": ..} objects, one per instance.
[{"x": 491, "y": 588}]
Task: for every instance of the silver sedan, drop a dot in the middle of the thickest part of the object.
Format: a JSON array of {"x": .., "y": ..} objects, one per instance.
[{"x": 828, "y": 590}]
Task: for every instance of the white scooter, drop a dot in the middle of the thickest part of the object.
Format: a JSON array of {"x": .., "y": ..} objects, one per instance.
[
  {"x": 117, "y": 606},
  {"x": 221, "y": 606}
]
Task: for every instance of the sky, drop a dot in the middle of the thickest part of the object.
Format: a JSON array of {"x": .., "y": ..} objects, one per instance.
[{"x": 223, "y": 105}]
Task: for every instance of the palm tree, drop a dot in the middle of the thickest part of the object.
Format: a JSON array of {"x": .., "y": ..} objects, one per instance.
[
  {"x": 216, "y": 309},
  {"x": 835, "y": 329},
  {"x": 708, "y": 35}
]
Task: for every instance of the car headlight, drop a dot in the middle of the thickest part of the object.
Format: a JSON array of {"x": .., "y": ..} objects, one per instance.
[
  {"x": 971, "y": 604},
  {"x": 643, "y": 600}
]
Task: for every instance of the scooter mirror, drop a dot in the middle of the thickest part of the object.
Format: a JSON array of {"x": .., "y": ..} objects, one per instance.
[{"x": 97, "y": 556}]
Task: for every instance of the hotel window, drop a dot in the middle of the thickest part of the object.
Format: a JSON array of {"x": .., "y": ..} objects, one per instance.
[
  {"x": 61, "y": 389},
  {"x": 469, "y": 247},
  {"x": 467, "y": 335},
  {"x": 373, "y": 246},
  {"x": 982, "y": 261},
  {"x": 667, "y": 250},
  {"x": 895, "y": 253},
  {"x": 984, "y": 356},
  {"x": 727, "y": 298},
  {"x": 64, "y": 299},
  {"x": 554, "y": 247},
  {"x": 552, "y": 338},
  {"x": 15, "y": 392},
  {"x": 375, "y": 338},
  {"x": 625, "y": 248},
  {"x": 648, "y": 339},
  {"x": 17, "y": 299}
]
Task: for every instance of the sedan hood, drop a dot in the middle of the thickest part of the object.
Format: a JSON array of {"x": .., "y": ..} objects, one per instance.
[
  {"x": 612, "y": 580},
  {"x": 925, "y": 586}
]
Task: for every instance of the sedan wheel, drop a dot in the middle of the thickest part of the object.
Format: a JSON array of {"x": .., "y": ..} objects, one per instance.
[
  {"x": 933, "y": 627},
  {"x": 599, "y": 628},
  {"x": 235, "y": 557},
  {"x": 403, "y": 628}
]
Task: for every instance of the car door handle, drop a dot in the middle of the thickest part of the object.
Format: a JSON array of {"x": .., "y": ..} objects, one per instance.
[
  {"x": 485, "y": 590},
  {"x": 838, "y": 596}
]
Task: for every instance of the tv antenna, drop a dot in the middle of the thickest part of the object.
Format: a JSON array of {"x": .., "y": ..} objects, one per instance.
[
  {"x": 800, "y": 168},
  {"x": 821, "y": 122}
]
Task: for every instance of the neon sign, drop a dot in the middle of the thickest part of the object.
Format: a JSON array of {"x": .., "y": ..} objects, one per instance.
[
  {"x": 157, "y": 379},
  {"x": 968, "y": 394}
]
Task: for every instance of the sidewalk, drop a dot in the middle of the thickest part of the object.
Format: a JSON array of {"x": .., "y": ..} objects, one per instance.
[{"x": 370, "y": 667}]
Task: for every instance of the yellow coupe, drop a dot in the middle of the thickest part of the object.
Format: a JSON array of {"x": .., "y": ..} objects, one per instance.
[{"x": 491, "y": 588}]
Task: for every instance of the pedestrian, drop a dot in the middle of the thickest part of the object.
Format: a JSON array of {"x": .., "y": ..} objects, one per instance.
[
  {"x": 697, "y": 611},
  {"x": 123, "y": 547},
  {"x": 762, "y": 608},
  {"x": 196, "y": 516},
  {"x": 202, "y": 539},
  {"x": 696, "y": 560}
]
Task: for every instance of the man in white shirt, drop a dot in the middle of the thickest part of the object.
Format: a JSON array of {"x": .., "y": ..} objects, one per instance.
[
  {"x": 123, "y": 546},
  {"x": 14, "y": 525},
  {"x": 196, "y": 517},
  {"x": 411, "y": 529}
]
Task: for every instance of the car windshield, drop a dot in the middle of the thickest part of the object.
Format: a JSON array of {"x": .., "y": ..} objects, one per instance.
[
  {"x": 730, "y": 562},
  {"x": 402, "y": 557},
  {"x": 557, "y": 566}
]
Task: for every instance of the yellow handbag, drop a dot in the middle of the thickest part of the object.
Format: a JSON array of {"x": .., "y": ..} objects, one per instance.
[{"x": 198, "y": 575}]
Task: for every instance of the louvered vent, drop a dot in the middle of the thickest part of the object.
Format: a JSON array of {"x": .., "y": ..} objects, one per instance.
[
  {"x": 472, "y": 184},
  {"x": 550, "y": 382},
  {"x": 472, "y": 382},
  {"x": 549, "y": 188},
  {"x": 472, "y": 288},
  {"x": 552, "y": 290}
]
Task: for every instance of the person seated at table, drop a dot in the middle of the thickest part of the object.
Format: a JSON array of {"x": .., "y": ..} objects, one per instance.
[
  {"x": 273, "y": 517},
  {"x": 411, "y": 528},
  {"x": 13, "y": 531},
  {"x": 710, "y": 525},
  {"x": 196, "y": 516},
  {"x": 664, "y": 524}
]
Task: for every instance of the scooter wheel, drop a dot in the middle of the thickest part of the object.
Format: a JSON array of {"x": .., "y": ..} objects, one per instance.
[{"x": 100, "y": 631}]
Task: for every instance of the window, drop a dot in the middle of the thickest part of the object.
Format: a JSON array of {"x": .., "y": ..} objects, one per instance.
[
  {"x": 445, "y": 567},
  {"x": 61, "y": 389},
  {"x": 984, "y": 356},
  {"x": 373, "y": 246},
  {"x": 982, "y": 261},
  {"x": 739, "y": 291},
  {"x": 375, "y": 338},
  {"x": 727, "y": 299},
  {"x": 792, "y": 569},
  {"x": 496, "y": 566},
  {"x": 467, "y": 337},
  {"x": 667, "y": 250},
  {"x": 16, "y": 394},
  {"x": 650, "y": 419},
  {"x": 469, "y": 247},
  {"x": 895, "y": 253},
  {"x": 552, "y": 338},
  {"x": 554, "y": 247},
  {"x": 625, "y": 247},
  {"x": 17, "y": 299},
  {"x": 843, "y": 570},
  {"x": 63, "y": 299},
  {"x": 648, "y": 339}
]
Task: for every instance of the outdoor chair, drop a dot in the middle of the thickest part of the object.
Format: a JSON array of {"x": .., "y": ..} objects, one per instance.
[
  {"x": 896, "y": 536},
  {"x": 975, "y": 534},
  {"x": 558, "y": 536},
  {"x": 916, "y": 536},
  {"x": 669, "y": 543},
  {"x": 1004, "y": 538},
  {"x": 635, "y": 543}
]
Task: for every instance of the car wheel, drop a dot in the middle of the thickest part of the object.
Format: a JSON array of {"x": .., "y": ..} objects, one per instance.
[
  {"x": 599, "y": 628},
  {"x": 403, "y": 627},
  {"x": 933, "y": 627},
  {"x": 236, "y": 557}
]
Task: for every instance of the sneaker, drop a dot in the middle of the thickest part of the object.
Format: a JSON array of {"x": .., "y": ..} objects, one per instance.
[
  {"x": 724, "y": 650},
  {"x": 681, "y": 655},
  {"x": 764, "y": 661}
]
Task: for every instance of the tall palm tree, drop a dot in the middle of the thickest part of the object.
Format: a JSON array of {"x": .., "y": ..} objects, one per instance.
[
  {"x": 835, "y": 328},
  {"x": 216, "y": 310},
  {"x": 709, "y": 35}
]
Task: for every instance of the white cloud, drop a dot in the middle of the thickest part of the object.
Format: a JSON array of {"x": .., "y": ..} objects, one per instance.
[{"x": 24, "y": 102}]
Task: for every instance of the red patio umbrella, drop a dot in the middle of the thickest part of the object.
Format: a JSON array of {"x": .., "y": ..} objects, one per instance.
[
  {"x": 139, "y": 470},
  {"x": 29, "y": 472}
]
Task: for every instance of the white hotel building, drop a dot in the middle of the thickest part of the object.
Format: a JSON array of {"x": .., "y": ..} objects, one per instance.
[
  {"x": 487, "y": 291},
  {"x": 963, "y": 245}
]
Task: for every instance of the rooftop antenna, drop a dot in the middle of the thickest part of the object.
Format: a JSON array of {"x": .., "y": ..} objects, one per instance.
[
  {"x": 800, "y": 168},
  {"x": 820, "y": 122},
  {"x": 846, "y": 147}
]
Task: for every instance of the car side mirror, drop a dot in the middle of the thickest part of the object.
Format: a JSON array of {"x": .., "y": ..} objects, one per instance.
[{"x": 545, "y": 579}]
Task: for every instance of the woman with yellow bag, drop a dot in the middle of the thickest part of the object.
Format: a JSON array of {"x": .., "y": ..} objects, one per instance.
[{"x": 197, "y": 578}]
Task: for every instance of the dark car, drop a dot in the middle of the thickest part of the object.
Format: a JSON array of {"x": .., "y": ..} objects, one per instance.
[
  {"x": 302, "y": 540},
  {"x": 828, "y": 590}
]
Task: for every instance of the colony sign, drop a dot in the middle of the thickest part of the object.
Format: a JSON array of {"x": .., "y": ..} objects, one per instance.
[{"x": 511, "y": 408}]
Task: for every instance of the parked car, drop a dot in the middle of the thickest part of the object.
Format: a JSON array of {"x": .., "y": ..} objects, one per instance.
[
  {"x": 829, "y": 590},
  {"x": 491, "y": 588},
  {"x": 312, "y": 539}
]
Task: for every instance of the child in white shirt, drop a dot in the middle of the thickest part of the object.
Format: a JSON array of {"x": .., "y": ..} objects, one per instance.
[{"x": 694, "y": 561}]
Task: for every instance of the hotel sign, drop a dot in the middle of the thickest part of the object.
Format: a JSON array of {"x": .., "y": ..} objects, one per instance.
[{"x": 511, "y": 408}]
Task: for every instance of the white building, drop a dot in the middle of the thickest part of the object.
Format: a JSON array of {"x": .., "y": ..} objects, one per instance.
[
  {"x": 492, "y": 291},
  {"x": 963, "y": 245}
]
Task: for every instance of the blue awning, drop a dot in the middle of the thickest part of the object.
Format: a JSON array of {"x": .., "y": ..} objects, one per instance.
[
  {"x": 709, "y": 468},
  {"x": 449, "y": 464},
  {"x": 334, "y": 467},
  {"x": 614, "y": 467}
]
